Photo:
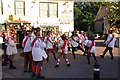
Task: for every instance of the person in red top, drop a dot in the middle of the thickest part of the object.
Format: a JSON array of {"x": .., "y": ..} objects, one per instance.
[{"x": 63, "y": 49}]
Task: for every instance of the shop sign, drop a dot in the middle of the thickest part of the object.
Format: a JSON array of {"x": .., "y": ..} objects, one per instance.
[
  {"x": 67, "y": 9},
  {"x": 65, "y": 21}
]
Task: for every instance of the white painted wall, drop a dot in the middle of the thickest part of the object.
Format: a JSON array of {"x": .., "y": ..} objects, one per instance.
[{"x": 64, "y": 20}]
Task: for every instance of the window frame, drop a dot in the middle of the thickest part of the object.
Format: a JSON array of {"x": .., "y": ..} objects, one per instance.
[
  {"x": 40, "y": 10},
  {"x": 1, "y": 7},
  {"x": 20, "y": 8},
  {"x": 48, "y": 7}
]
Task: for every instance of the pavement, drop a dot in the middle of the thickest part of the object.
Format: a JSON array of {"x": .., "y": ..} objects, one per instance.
[{"x": 79, "y": 68}]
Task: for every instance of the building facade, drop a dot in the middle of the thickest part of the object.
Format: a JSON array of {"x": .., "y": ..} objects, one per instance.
[
  {"x": 54, "y": 15},
  {"x": 101, "y": 20}
]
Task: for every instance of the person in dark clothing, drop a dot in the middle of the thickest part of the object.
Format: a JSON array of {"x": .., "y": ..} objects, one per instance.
[{"x": 4, "y": 46}]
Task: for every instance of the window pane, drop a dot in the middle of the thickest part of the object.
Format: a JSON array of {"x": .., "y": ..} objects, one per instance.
[
  {"x": 0, "y": 11},
  {"x": 53, "y": 9},
  {"x": 17, "y": 4},
  {"x": 43, "y": 9},
  {"x": 20, "y": 6},
  {"x": 0, "y": 7},
  {"x": 0, "y": 3}
]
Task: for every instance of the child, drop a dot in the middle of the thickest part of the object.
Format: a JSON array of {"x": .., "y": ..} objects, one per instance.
[{"x": 63, "y": 49}]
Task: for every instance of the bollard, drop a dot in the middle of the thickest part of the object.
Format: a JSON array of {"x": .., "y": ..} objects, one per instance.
[{"x": 96, "y": 75}]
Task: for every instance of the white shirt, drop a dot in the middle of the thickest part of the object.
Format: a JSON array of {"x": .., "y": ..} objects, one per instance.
[
  {"x": 48, "y": 40},
  {"x": 112, "y": 43},
  {"x": 74, "y": 43},
  {"x": 11, "y": 47},
  {"x": 38, "y": 52},
  {"x": 1, "y": 40},
  {"x": 84, "y": 41},
  {"x": 27, "y": 46},
  {"x": 93, "y": 49},
  {"x": 80, "y": 40},
  {"x": 60, "y": 44}
]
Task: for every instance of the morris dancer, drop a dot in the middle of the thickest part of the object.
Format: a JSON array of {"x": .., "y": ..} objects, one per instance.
[
  {"x": 38, "y": 54},
  {"x": 49, "y": 45},
  {"x": 109, "y": 44},
  {"x": 84, "y": 41},
  {"x": 27, "y": 52},
  {"x": 74, "y": 40},
  {"x": 11, "y": 49},
  {"x": 91, "y": 50},
  {"x": 63, "y": 49}
]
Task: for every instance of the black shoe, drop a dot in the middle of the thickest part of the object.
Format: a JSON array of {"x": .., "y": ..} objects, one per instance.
[
  {"x": 68, "y": 64},
  {"x": 74, "y": 57},
  {"x": 89, "y": 63},
  {"x": 25, "y": 71},
  {"x": 40, "y": 76},
  {"x": 112, "y": 58},
  {"x": 29, "y": 71},
  {"x": 56, "y": 66},
  {"x": 4, "y": 64},
  {"x": 84, "y": 54},
  {"x": 47, "y": 59},
  {"x": 33, "y": 75},
  {"x": 101, "y": 56},
  {"x": 55, "y": 58},
  {"x": 12, "y": 67}
]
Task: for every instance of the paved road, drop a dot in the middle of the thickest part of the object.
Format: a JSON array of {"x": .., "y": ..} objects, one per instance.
[{"x": 78, "y": 69}]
